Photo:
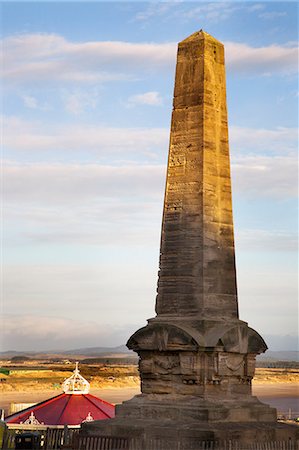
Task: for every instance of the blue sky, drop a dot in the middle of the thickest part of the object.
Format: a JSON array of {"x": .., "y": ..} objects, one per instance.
[{"x": 86, "y": 113}]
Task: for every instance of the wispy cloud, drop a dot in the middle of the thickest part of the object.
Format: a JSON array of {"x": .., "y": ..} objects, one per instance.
[
  {"x": 31, "y": 102},
  {"x": 245, "y": 59},
  {"x": 264, "y": 141},
  {"x": 211, "y": 11},
  {"x": 78, "y": 101},
  {"x": 98, "y": 205},
  {"x": 69, "y": 183},
  {"x": 53, "y": 295},
  {"x": 256, "y": 7},
  {"x": 36, "y": 58},
  {"x": 40, "y": 57},
  {"x": 266, "y": 240},
  {"x": 22, "y": 135},
  {"x": 262, "y": 176},
  {"x": 151, "y": 98},
  {"x": 29, "y": 136},
  {"x": 156, "y": 9},
  {"x": 82, "y": 204},
  {"x": 40, "y": 332},
  {"x": 270, "y": 15}
]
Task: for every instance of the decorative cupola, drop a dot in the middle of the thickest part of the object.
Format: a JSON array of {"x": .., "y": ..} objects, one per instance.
[
  {"x": 72, "y": 407},
  {"x": 76, "y": 384}
]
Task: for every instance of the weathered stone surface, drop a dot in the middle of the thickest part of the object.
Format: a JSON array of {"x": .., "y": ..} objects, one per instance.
[
  {"x": 197, "y": 265},
  {"x": 197, "y": 358},
  {"x": 147, "y": 432}
]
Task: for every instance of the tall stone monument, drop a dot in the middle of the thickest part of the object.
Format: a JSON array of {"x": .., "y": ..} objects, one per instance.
[{"x": 197, "y": 358}]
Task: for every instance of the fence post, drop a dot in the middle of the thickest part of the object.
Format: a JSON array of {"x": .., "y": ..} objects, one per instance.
[{"x": 65, "y": 437}]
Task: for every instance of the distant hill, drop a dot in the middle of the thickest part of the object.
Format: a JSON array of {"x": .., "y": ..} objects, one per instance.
[
  {"x": 122, "y": 351},
  {"x": 111, "y": 352},
  {"x": 271, "y": 355},
  {"x": 95, "y": 351}
]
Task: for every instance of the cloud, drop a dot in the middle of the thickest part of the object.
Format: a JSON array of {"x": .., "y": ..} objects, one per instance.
[
  {"x": 207, "y": 11},
  {"x": 267, "y": 287},
  {"x": 270, "y": 15},
  {"x": 256, "y": 7},
  {"x": 63, "y": 183},
  {"x": 21, "y": 135},
  {"x": 156, "y": 9},
  {"x": 29, "y": 136},
  {"x": 82, "y": 204},
  {"x": 262, "y": 176},
  {"x": 264, "y": 161},
  {"x": 48, "y": 327},
  {"x": 93, "y": 204},
  {"x": 266, "y": 240},
  {"x": 263, "y": 141},
  {"x": 32, "y": 103},
  {"x": 41, "y": 332},
  {"x": 212, "y": 12},
  {"x": 40, "y": 58},
  {"x": 53, "y": 297},
  {"x": 78, "y": 101},
  {"x": 242, "y": 58},
  {"x": 151, "y": 98}
]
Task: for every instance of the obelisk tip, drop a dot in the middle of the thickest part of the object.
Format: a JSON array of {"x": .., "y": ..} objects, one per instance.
[{"x": 200, "y": 35}]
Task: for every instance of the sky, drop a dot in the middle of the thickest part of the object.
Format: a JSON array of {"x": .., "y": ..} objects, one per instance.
[{"x": 86, "y": 111}]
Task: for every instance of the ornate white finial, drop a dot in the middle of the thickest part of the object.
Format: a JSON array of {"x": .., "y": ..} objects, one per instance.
[
  {"x": 32, "y": 420},
  {"x": 88, "y": 418},
  {"x": 76, "y": 384}
]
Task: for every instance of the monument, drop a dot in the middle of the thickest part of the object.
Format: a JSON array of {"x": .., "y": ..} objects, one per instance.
[{"x": 196, "y": 357}]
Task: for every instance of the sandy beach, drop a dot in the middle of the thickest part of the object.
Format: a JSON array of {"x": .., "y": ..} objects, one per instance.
[
  {"x": 283, "y": 396},
  {"x": 275, "y": 390},
  {"x": 112, "y": 395}
]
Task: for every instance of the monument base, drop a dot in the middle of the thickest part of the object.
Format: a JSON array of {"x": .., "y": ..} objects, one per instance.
[
  {"x": 152, "y": 423},
  {"x": 194, "y": 409}
]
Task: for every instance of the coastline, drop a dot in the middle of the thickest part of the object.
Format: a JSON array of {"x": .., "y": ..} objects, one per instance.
[
  {"x": 280, "y": 395},
  {"x": 262, "y": 389}
]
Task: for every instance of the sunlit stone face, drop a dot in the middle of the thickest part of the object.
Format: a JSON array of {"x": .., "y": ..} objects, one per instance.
[{"x": 197, "y": 264}]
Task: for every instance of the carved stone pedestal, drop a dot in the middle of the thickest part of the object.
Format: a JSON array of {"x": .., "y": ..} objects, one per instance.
[
  {"x": 153, "y": 434},
  {"x": 193, "y": 392},
  {"x": 193, "y": 410}
]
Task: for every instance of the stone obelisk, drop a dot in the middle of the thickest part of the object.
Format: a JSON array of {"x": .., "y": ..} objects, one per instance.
[{"x": 197, "y": 358}]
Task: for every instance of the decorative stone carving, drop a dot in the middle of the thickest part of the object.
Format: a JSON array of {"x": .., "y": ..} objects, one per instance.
[{"x": 177, "y": 354}]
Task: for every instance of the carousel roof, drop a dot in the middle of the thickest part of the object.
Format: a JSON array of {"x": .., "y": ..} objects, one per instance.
[{"x": 72, "y": 407}]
